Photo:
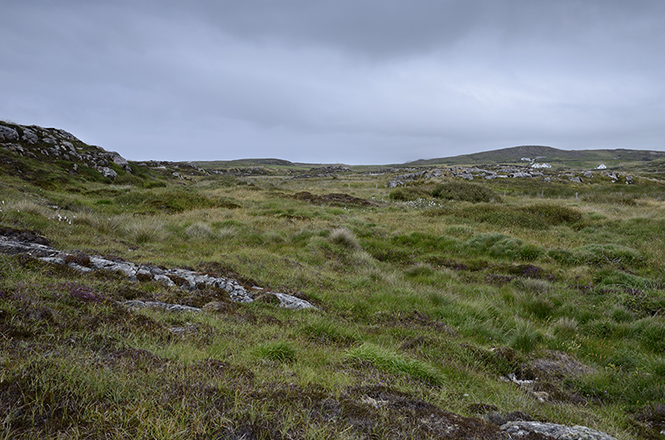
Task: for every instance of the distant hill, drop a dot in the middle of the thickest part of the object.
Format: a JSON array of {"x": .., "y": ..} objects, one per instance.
[
  {"x": 557, "y": 158},
  {"x": 217, "y": 164}
]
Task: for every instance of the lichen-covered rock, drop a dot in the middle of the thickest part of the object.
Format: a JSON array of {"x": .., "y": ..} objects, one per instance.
[
  {"x": 11, "y": 243},
  {"x": 120, "y": 161},
  {"x": 160, "y": 305},
  {"x": 8, "y": 134},
  {"x": 519, "y": 429},
  {"x": 29, "y": 136},
  {"x": 108, "y": 173}
]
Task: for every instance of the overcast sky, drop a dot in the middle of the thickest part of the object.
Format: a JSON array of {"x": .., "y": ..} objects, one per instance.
[{"x": 349, "y": 81}]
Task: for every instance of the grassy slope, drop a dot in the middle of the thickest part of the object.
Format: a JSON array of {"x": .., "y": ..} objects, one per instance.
[
  {"x": 431, "y": 299},
  {"x": 576, "y": 159}
]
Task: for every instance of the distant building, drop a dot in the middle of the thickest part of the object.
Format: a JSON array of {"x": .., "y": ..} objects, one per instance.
[
  {"x": 525, "y": 159},
  {"x": 541, "y": 165},
  {"x": 601, "y": 167}
]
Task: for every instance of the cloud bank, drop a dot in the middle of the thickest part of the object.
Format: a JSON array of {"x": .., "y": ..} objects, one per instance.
[{"x": 346, "y": 81}]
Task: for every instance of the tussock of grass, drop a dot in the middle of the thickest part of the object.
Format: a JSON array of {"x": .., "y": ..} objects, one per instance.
[
  {"x": 145, "y": 230},
  {"x": 390, "y": 361},
  {"x": 526, "y": 337},
  {"x": 345, "y": 238},
  {"x": 598, "y": 254},
  {"x": 566, "y": 326},
  {"x": 502, "y": 246},
  {"x": 200, "y": 231},
  {"x": 279, "y": 351},
  {"x": 105, "y": 224},
  {"x": 532, "y": 285}
]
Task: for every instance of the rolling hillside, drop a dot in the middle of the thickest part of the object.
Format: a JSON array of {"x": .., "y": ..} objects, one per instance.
[{"x": 579, "y": 159}]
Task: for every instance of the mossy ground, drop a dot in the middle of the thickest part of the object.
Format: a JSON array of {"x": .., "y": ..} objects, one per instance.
[{"x": 423, "y": 305}]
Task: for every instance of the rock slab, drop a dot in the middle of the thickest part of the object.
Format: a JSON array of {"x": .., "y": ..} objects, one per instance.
[
  {"x": 186, "y": 279},
  {"x": 560, "y": 432}
]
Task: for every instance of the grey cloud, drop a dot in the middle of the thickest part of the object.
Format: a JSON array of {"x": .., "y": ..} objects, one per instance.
[{"x": 370, "y": 81}]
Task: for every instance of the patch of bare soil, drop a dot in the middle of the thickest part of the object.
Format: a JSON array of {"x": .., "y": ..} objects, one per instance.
[
  {"x": 650, "y": 422},
  {"x": 335, "y": 199}
]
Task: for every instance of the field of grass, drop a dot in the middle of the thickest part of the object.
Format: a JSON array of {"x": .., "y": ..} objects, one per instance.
[{"x": 427, "y": 297}]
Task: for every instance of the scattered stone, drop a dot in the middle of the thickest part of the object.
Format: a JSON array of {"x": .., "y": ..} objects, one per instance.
[
  {"x": 520, "y": 174},
  {"x": 559, "y": 432},
  {"x": 629, "y": 180},
  {"x": 613, "y": 176},
  {"x": 11, "y": 243},
  {"x": 137, "y": 304},
  {"x": 576, "y": 179},
  {"x": 327, "y": 171},
  {"x": 291, "y": 302},
  {"x": 28, "y": 135},
  {"x": 108, "y": 172}
]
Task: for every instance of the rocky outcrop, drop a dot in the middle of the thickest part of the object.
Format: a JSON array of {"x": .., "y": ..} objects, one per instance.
[
  {"x": 327, "y": 171},
  {"x": 54, "y": 144},
  {"x": 8, "y": 134},
  {"x": 410, "y": 177},
  {"x": 10, "y": 243},
  {"x": 522, "y": 429}
]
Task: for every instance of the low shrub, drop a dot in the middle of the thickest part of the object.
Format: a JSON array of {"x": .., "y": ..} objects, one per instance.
[
  {"x": 463, "y": 191},
  {"x": 539, "y": 216},
  {"x": 550, "y": 214},
  {"x": 407, "y": 194},
  {"x": 167, "y": 200}
]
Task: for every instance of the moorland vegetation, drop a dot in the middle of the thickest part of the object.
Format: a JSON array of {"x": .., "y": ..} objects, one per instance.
[{"x": 445, "y": 300}]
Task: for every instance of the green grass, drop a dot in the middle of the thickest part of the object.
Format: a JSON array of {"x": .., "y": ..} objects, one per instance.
[{"x": 419, "y": 302}]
